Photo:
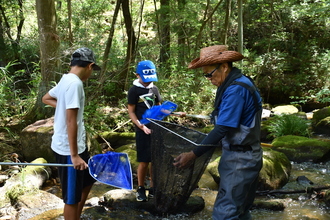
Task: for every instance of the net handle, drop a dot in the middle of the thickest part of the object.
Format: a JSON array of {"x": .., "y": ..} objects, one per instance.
[
  {"x": 190, "y": 141},
  {"x": 37, "y": 164}
]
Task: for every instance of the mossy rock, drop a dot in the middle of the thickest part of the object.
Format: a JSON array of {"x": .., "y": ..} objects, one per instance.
[
  {"x": 323, "y": 126},
  {"x": 302, "y": 149},
  {"x": 274, "y": 174},
  {"x": 275, "y": 171},
  {"x": 212, "y": 169},
  {"x": 117, "y": 139},
  {"x": 320, "y": 114}
]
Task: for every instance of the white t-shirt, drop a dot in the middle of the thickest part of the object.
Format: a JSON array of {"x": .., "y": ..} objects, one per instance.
[{"x": 70, "y": 94}]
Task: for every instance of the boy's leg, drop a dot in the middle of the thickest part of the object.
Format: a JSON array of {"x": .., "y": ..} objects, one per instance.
[
  {"x": 142, "y": 172},
  {"x": 71, "y": 212},
  {"x": 84, "y": 196}
]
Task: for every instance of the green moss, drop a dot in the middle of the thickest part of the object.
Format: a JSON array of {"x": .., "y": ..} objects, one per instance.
[
  {"x": 45, "y": 129},
  {"x": 321, "y": 114},
  {"x": 301, "y": 149},
  {"x": 292, "y": 141},
  {"x": 276, "y": 168}
]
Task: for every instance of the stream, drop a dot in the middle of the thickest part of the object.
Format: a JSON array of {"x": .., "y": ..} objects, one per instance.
[{"x": 298, "y": 206}]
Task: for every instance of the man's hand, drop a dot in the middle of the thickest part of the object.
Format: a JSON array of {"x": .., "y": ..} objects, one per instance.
[
  {"x": 78, "y": 163},
  {"x": 184, "y": 160}
]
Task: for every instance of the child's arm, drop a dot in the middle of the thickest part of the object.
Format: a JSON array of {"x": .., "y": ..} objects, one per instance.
[{"x": 135, "y": 120}]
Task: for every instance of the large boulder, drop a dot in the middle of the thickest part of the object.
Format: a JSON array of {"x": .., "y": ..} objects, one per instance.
[
  {"x": 275, "y": 171},
  {"x": 36, "y": 141},
  {"x": 274, "y": 174},
  {"x": 303, "y": 149}
]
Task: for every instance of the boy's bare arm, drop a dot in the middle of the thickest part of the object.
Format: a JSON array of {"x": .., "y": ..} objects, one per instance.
[
  {"x": 71, "y": 122},
  {"x": 49, "y": 100}
]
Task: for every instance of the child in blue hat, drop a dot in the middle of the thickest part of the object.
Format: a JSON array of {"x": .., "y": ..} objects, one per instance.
[{"x": 141, "y": 96}]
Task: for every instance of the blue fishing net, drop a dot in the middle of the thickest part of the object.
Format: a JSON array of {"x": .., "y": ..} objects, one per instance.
[
  {"x": 158, "y": 112},
  {"x": 112, "y": 168}
]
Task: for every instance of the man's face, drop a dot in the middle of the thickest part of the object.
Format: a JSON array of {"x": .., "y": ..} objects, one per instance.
[{"x": 215, "y": 73}]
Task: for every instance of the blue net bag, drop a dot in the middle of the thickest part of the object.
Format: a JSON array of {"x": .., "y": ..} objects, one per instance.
[
  {"x": 158, "y": 112},
  {"x": 112, "y": 168}
]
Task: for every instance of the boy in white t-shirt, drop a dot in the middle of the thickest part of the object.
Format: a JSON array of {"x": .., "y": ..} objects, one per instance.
[{"x": 68, "y": 141}]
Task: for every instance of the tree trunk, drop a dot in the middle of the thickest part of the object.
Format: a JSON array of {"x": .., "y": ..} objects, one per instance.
[
  {"x": 69, "y": 23},
  {"x": 164, "y": 25},
  {"x": 2, "y": 42},
  {"x": 109, "y": 43},
  {"x": 49, "y": 44},
  {"x": 227, "y": 22},
  {"x": 240, "y": 26},
  {"x": 14, "y": 42},
  {"x": 205, "y": 20},
  {"x": 181, "y": 36},
  {"x": 131, "y": 44}
]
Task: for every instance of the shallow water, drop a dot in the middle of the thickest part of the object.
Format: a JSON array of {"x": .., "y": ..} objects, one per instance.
[{"x": 300, "y": 206}]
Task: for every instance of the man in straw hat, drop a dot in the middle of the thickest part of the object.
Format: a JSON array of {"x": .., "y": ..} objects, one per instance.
[{"x": 237, "y": 116}]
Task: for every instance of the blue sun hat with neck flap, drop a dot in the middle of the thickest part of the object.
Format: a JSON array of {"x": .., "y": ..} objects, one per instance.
[{"x": 147, "y": 71}]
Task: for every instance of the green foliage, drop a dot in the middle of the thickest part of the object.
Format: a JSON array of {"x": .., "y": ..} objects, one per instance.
[
  {"x": 285, "y": 124},
  {"x": 192, "y": 92},
  {"x": 16, "y": 95},
  {"x": 287, "y": 50}
]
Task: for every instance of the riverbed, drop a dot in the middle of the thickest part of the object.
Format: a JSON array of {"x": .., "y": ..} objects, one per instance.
[{"x": 298, "y": 206}]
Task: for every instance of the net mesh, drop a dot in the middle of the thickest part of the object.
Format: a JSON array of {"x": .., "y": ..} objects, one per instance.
[
  {"x": 173, "y": 186},
  {"x": 112, "y": 168}
]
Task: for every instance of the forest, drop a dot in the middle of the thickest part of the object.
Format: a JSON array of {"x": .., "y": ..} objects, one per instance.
[{"x": 285, "y": 44}]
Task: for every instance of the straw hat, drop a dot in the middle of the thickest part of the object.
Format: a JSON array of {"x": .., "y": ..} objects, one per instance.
[{"x": 214, "y": 55}]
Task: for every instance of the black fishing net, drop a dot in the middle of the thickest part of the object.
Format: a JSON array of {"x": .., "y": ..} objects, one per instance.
[{"x": 173, "y": 186}]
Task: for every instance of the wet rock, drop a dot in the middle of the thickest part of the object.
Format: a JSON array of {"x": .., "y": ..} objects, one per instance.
[
  {"x": 271, "y": 204},
  {"x": 120, "y": 199},
  {"x": 303, "y": 180},
  {"x": 32, "y": 204}
]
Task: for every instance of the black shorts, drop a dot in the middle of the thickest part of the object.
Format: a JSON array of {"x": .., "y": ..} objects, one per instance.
[
  {"x": 73, "y": 181},
  {"x": 143, "y": 148}
]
